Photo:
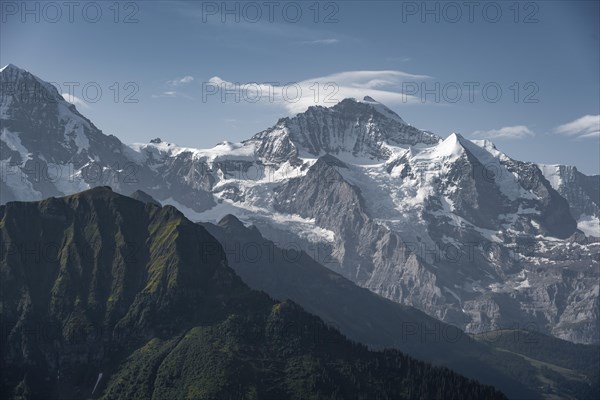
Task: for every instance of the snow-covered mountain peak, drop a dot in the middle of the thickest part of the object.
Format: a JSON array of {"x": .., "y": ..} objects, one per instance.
[
  {"x": 365, "y": 129},
  {"x": 21, "y": 85},
  {"x": 452, "y": 146},
  {"x": 382, "y": 109},
  {"x": 448, "y": 149},
  {"x": 40, "y": 128}
]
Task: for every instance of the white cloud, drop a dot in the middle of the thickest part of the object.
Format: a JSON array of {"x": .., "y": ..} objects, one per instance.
[
  {"x": 507, "y": 132},
  {"x": 296, "y": 97},
  {"x": 181, "y": 81},
  {"x": 587, "y": 126},
  {"x": 165, "y": 94},
  {"x": 75, "y": 100},
  {"x": 321, "y": 41},
  {"x": 171, "y": 94}
]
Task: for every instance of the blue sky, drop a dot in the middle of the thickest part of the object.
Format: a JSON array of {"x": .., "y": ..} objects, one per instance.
[{"x": 176, "y": 58}]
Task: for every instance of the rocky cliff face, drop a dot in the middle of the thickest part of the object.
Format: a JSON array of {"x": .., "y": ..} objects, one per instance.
[
  {"x": 473, "y": 250},
  {"x": 581, "y": 191},
  {"x": 453, "y": 227},
  {"x": 360, "y": 129}
]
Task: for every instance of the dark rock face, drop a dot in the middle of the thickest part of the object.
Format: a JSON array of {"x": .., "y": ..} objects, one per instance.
[
  {"x": 335, "y": 204},
  {"x": 581, "y": 191}
]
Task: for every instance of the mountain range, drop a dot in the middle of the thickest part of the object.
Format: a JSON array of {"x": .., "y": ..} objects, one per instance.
[{"x": 453, "y": 227}]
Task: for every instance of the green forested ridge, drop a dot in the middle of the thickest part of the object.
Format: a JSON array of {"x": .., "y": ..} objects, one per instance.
[
  {"x": 99, "y": 283},
  {"x": 523, "y": 365}
]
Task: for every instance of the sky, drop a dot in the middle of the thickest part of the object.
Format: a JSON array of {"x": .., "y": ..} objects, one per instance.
[{"x": 525, "y": 75}]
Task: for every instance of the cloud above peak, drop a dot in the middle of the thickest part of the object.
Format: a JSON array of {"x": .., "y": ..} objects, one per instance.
[
  {"x": 584, "y": 127},
  {"x": 328, "y": 90}
]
